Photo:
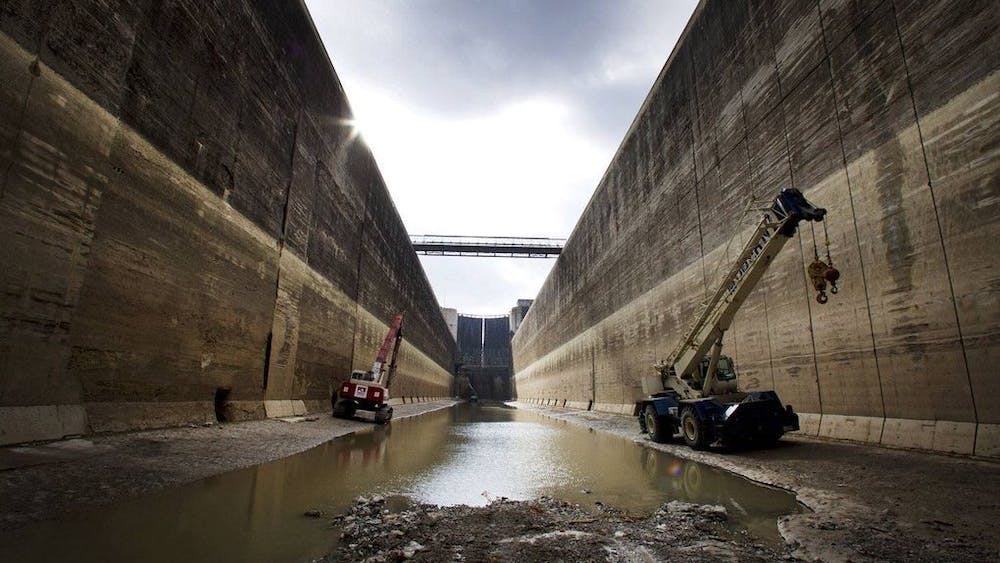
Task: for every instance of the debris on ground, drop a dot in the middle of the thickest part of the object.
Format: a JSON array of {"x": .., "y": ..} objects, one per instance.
[{"x": 544, "y": 529}]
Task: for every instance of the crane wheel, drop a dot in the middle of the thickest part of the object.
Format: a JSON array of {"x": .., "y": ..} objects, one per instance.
[
  {"x": 657, "y": 427},
  {"x": 343, "y": 409},
  {"x": 694, "y": 430},
  {"x": 383, "y": 415}
]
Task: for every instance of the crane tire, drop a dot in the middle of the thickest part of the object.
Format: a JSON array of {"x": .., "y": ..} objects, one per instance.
[
  {"x": 656, "y": 425},
  {"x": 693, "y": 430},
  {"x": 383, "y": 415}
]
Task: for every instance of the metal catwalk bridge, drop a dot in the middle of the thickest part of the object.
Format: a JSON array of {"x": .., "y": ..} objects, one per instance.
[{"x": 521, "y": 247}]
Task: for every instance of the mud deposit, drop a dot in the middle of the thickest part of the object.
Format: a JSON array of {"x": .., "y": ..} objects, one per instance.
[{"x": 545, "y": 529}]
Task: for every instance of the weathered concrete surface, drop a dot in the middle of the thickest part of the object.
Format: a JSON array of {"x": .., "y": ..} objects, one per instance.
[
  {"x": 184, "y": 209},
  {"x": 865, "y": 503},
  {"x": 885, "y": 112}
]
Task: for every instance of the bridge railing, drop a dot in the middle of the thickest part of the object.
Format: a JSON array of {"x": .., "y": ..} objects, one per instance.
[{"x": 451, "y": 245}]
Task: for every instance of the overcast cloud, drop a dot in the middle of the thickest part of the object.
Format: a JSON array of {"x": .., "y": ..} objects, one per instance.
[{"x": 495, "y": 118}]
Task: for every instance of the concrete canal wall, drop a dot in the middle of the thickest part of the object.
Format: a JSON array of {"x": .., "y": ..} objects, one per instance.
[
  {"x": 187, "y": 219},
  {"x": 885, "y": 112}
]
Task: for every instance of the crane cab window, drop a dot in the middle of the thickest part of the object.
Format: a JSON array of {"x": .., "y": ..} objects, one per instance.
[
  {"x": 359, "y": 375},
  {"x": 724, "y": 370}
]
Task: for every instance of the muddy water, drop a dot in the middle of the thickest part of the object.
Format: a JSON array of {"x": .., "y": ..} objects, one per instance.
[{"x": 465, "y": 455}]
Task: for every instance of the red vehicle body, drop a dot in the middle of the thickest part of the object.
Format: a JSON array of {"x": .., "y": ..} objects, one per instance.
[{"x": 369, "y": 390}]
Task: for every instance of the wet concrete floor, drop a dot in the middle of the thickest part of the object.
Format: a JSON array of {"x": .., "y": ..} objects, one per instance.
[{"x": 468, "y": 454}]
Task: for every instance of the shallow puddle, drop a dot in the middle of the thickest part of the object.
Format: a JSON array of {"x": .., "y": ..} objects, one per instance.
[{"x": 469, "y": 454}]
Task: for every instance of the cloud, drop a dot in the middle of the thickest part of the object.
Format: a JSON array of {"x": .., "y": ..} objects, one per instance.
[
  {"x": 495, "y": 118},
  {"x": 515, "y": 171}
]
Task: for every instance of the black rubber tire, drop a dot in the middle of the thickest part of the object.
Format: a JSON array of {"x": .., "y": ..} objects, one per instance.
[
  {"x": 693, "y": 430},
  {"x": 657, "y": 426},
  {"x": 383, "y": 415},
  {"x": 343, "y": 409}
]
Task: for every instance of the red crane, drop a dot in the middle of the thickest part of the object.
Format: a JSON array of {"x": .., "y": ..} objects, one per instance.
[{"x": 369, "y": 390}]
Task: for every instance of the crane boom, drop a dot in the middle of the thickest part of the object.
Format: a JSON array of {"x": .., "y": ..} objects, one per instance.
[
  {"x": 716, "y": 314},
  {"x": 392, "y": 339}
]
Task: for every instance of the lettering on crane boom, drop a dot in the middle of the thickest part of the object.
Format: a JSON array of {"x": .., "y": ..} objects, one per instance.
[{"x": 749, "y": 261}]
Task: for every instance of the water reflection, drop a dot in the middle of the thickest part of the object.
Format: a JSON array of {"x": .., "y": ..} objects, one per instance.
[
  {"x": 465, "y": 455},
  {"x": 520, "y": 455}
]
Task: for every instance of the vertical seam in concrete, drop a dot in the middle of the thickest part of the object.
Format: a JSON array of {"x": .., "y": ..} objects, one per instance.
[
  {"x": 694, "y": 165},
  {"x": 812, "y": 331},
  {"x": 20, "y": 128},
  {"x": 753, "y": 192},
  {"x": 593, "y": 376},
  {"x": 33, "y": 68},
  {"x": 854, "y": 219},
  {"x": 770, "y": 348},
  {"x": 937, "y": 220},
  {"x": 805, "y": 276},
  {"x": 357, "y": 277},
  {"x": 281, "y": 251},
  {"x": 788, "y": 149},
  {"x": 784, "y": 125}
]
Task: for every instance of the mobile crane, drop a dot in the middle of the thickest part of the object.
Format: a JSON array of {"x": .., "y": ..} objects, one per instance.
[
  {"x": 695, "y": 391},
  {"x": 369, "y": 390}
]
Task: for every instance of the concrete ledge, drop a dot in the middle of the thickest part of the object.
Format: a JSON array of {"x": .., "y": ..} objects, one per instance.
[
  {"x": 616, "y": 408},
  {"x": 935, "y": 435},
  {"x": 947, "y": 436},
  {"x": 283, "y": 408},
  {"x": 41, "y": 422},
  {"x": 954, "y": 437},
  {"x": 809, "y": 423},
  {"x": 395, "y": 402},
  {"x": 988, "y": 440},
  {"x": 121, "y": 417},
  {"x": 846, "y": 427},
  {"x": 579, "y": 405}
]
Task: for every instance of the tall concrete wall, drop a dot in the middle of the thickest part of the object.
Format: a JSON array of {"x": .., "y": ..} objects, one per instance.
[
  {"x": 885, "y": 112},
  {"x": 184, "y": 209}
]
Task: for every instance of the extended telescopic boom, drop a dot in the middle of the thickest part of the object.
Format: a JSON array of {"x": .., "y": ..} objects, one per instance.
[{"x": 716, "y": 315}]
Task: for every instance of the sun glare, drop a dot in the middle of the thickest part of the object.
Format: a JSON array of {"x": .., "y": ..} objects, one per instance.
[{"x": 354, "y": 129}]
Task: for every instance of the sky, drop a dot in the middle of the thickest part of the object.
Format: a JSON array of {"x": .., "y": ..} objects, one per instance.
[{"x": 495, "y": 118}]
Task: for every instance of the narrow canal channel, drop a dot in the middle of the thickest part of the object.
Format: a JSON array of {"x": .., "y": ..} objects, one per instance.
[{"x": 468, "y": 454}]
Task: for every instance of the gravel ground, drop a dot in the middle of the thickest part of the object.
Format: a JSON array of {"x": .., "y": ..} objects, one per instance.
[
  {"x": 45, "y": 481},
  {"x": 544, "y": 529},
  {"x": 868, "y": 503}
]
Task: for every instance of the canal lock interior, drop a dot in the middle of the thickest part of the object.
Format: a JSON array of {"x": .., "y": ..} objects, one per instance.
[{"x": 468, "y": 454}]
